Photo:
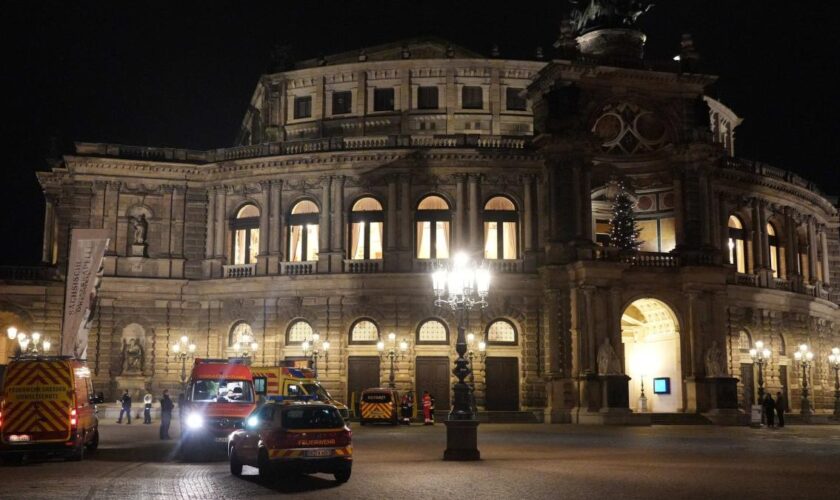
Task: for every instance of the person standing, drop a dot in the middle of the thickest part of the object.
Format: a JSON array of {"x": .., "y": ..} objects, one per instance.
[
  {"x": 407, "y": 406},
  {"x": 147, "y": 408},
  {"x": 769, "y": 409},
  {"x": 125, "y": 407},
  {"x": 427, "y": 409},
  {"x": 166, "y": 407},
  {"x": 781, "y": 406}
]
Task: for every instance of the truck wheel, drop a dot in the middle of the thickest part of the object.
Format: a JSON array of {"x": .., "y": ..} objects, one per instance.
[
  {"x": 235, "y": 464},
  {"x": 264, "y": 465},
  {"x": 93, "y": 444},
  {"x": 79, "y": 453},
  {"x": 342, "y": 476}
]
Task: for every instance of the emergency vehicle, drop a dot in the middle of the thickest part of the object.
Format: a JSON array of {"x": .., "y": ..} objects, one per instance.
[
  {"x": 48, "y": 407},
  {"x": 219, "y": 396},
  {"x": 293, "y": 382},
  {"x": 379, "y": 405},
  {"x": 281, "y": 438}
]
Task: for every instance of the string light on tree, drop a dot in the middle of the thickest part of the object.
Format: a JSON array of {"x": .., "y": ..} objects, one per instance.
[{"x": 624, "y": 233}]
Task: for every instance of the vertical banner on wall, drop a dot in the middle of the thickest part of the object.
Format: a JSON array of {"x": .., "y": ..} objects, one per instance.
[{"x": 87, "y": 249}]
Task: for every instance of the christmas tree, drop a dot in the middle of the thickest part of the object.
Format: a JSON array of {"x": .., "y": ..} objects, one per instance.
[{"x": 624, "y": 233}]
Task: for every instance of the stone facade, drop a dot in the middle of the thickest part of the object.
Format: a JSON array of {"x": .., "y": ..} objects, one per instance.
[{"x": 583, "y": 128}]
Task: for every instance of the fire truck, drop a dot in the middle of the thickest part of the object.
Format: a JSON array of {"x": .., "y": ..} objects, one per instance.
[
  {"x": 219, "y": 396},
  {"x": 48, "y": 407}
]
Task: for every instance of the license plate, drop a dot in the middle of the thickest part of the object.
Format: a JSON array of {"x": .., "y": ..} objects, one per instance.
[
  {"x": 319, "y": 453},
  {"x": 19, "y": 438},
  {"x": 221, "y": 440}
]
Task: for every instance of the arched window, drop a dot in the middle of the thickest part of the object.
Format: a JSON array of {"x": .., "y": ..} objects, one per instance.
[
  {"x": 303, "y": 231},
  {"x": 246, "y": 235},
  {"x": 364, "y": 331},
  {"x": 366, "y": 221},
  {"x": 432, "y": 331},
  {"x": 298, "y": 331},
  {"x": 240, "y": 333},
  {"x": 500, "y": 229},
  {"x": 501, "y": 331},
  {"x": 773, "y": 243},
  {"x": 802, "y": 260},
  {"x": 433, "y": 218},
  {"x": 744, "y": 341},
  {"x": 736, "y": 244}
]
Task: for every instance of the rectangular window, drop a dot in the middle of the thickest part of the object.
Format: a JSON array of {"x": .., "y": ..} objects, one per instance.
[
  {"x": 342, "y": 102},
  {"x": 239, "y": 247},
  {"x": 296, "y": 243},
  {"x": 602, "y": 232},
  {"x": 648, "y": 235},
  {"x": 667, "y": 234},
  {"x": 515, "y": 100},
  {"x": 427, "y": 98},
  {"x": 442, "y": 240},
  {"x": 491, "y": 242},
  {"x": 472, "y": 97},
  {"x": 375, "y": 240},
  {"x": 424, "y": 240},
  {"x": 312, "y": 242},
  {"x": 303, "y": 107},
  {"x": 383, "y": 99}
]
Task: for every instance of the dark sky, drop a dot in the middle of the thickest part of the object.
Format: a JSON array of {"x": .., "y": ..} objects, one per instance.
[{"x": 161, "y": 74}]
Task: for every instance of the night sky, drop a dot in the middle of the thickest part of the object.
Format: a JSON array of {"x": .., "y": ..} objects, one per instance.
[{"x": 157, "y": 74}]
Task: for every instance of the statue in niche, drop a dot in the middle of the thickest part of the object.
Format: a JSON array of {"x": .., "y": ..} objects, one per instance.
[
  {"x": 132, "y": 356},
  {"x": 608, "y": 362},
  {"x": 140, "y": 226},
  {"x": 588, "y": 15},
  {"x": 715, "y": 361}
]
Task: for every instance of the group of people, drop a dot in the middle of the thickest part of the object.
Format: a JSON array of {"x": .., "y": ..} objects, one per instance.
[
  {"x": 166, "y": 407},
  {"x": 407, "y": 408},
  {"x": 773, "y": 410}
]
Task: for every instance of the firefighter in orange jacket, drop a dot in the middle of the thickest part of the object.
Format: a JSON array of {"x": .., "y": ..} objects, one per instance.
[{"x": 427, "y": 409}]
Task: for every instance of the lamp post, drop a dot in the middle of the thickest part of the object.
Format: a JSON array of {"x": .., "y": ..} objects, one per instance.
[
  {"x": 183, "y": 350},
  {"x": 834, "y": 363},
  {"x": 461, "y": 287},
  {"x": 29, "y": 344},
  {"x": 804, "y": 357},
  {"x": 313, "y": 351},
  {"x": 246, "y": 346},
  {"x": 392, "y": 354},
  {"x": 471, "y": 355},
  {"x": 760, "y": 356}
]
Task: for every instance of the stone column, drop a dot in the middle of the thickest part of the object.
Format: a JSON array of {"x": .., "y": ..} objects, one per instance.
[
  {"x": 264, "y": 199},
  {"x": 110, "y": 214},
  {"x": 586, "y": 203},
  {"x": 179, "y": 211},
  {"x": 679, "y": 210},
  {"x": 528, "y": 214},
  {"x": 812, "y": 250},
  {"x": 339, "y": 221},
  {"x": 723, "y": 230},
  {"x": 324, "y": 229},
  {"x": 275, "y": 219},
  {"x": 406, "y": 228},
  {"x": 759, "y": 228},
  {"x": 459, "y": 230},
  {"x": 475, "y": 232},
  {"x": 221, "y": 230},
  {"x": 391, "y": 215},
  {"x": 167, "y": 214},
  {"x": 211, "y": 224},
  {"x": 542, "y": 220},
  {"x": 791, "y": 252},
  {"x": 826, "y": 275},
  {"x": 706, "y": 212}
]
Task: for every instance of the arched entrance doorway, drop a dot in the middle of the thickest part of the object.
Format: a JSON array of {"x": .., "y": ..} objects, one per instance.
[{"x": 651, "y": 338}]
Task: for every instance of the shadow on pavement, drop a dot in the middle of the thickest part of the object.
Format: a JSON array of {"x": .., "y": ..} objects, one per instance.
[{"x": 295, "y": 484}]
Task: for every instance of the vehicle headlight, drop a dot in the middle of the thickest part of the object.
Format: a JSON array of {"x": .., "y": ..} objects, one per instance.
[{"x": 194, "y": 421}]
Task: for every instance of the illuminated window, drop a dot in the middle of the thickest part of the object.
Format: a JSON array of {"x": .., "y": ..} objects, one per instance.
[
  {"x": 364, "y": 331},
  {"x": 657, "y": 235},
  {"x": 298, "y": 331},
  {"x": 773, "y": 243},
  {"x": 432, "y": 222},
  {"x": 366, "y": 223},
  {"x": 736, "y": 244},
  {"x": 433, "y": 332},
  {"x": 501, "y": 332},
  {"x": 500, "y": 229},
  {"x": 240, "y": 332},
  {"x": 303, "y": 232},
  {"x": 246, "y": 235}
]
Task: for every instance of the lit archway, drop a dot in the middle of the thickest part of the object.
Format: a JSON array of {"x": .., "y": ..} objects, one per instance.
[{"x": 651, "y": 337}]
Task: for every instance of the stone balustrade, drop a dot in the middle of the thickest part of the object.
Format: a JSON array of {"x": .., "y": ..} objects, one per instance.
[{"x": 239, "y": 270}]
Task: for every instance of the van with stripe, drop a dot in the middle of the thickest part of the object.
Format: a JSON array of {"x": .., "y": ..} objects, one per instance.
[
  {"x": 379, "y": 405},
  {"x": 48, "y": 407},
  {"x": 293, "y": 382}
]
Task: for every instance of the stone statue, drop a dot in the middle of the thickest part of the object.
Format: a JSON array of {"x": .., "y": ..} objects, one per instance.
[
  {"x": 608, "y": 362},
  {"x": 141, "y": 228},
  {"x": 715, "y": 361},
  {"x": 133, "y": 356},
  {"x": 589, "y": 15}
]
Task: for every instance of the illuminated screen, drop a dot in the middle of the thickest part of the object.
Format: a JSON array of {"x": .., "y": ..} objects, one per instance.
[{"x": 662, "y": 385}]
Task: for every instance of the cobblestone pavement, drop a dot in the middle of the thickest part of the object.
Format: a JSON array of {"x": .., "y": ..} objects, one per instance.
[{"x": 519, "y": 461}]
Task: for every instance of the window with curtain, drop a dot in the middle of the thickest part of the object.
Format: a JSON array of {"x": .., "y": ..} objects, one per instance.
[
  {"x": 773, "y": 243},
  {"x": 366, "y": 226},
  {"x": 364, "y": 331},
  {"x": 432, "y": 220},
  {"x": 736, "y": 244},
  {"x": 501, "y": 331},
  {"x": 500, "y": 229},
  {"x": 246, "y": 235},
  {"x": 303, "y": 232},
  {"x": 298, "y": 331},
  {"x": 433, "y": 331}
]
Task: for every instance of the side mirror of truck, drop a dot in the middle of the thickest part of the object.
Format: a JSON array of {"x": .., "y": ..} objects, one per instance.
[{"x": 98, "y": 398}]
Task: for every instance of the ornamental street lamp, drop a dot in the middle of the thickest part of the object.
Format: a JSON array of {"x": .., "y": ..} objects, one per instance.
[
  {"x": 804, "y": 357},
  {"x": 461, "y": 287},
  {"x": 246, "y": 346},
  {"x": 183, "y": 350},
  {"x": 392, "y": 353},
  {"x": 760, "y": 356},
  {"x": 29, "y": 344},
  {"x": 314, "y": 351},
  {"x": 834, "y": 363}
]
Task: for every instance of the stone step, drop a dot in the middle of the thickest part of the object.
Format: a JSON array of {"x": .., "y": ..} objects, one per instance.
[{"x": 678, "y": 419}]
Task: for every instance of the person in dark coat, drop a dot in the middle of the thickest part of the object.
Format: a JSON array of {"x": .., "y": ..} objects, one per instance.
[
  {"x": 147, "y": 408},
  {"x": 125, "y": 407},
  {"x": 769, "y": 409},
  {"x": 781, "y": 406},
  {"x": 166, "y": 407}
]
